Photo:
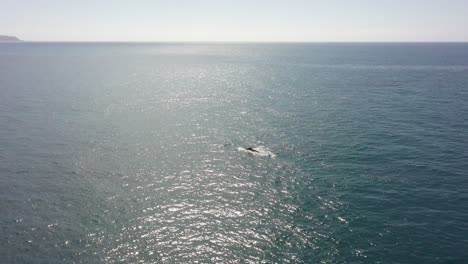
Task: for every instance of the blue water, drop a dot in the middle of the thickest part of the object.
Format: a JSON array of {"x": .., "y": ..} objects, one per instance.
[{"x": 133, "y": 153}]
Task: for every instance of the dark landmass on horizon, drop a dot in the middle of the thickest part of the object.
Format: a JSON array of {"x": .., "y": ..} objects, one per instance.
[{"x": 9, "y": 38}]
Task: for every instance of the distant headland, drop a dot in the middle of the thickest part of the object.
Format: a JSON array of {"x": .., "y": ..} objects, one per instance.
[{"x": 9, "y": 38}]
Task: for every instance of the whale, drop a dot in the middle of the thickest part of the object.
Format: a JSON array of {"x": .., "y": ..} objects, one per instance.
[
  {"x": 251, "y": 149},
  {"x": 260, "y": 151}
]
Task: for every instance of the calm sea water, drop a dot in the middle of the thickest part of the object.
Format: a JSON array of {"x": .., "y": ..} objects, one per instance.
[{"x": 132, "y": 153}]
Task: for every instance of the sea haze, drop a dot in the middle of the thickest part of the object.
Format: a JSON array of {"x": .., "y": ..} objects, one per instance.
[{"x": 135, "y": 153}]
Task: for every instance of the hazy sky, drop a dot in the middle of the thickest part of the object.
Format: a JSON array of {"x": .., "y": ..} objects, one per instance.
[{"x": 235, "y": 20}]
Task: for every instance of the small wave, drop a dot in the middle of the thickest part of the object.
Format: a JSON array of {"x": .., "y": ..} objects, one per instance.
[{"x": 261, "y": 151}]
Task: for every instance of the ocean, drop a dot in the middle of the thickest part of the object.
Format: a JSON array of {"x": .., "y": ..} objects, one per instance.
[{"x": 136, "y": 152}]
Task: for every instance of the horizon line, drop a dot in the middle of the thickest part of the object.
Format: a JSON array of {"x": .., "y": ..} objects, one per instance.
[{"x": 222, "y": 41}]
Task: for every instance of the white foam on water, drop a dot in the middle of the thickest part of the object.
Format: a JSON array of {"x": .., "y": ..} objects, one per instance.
[{"x": 260, "y": 151}]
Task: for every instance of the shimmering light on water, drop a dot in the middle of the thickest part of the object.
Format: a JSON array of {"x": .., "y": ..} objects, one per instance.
[{"x": 136, "y": 153}]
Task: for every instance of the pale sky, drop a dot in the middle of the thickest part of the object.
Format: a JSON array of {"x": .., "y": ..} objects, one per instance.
[{"x": 235, "y": 20}]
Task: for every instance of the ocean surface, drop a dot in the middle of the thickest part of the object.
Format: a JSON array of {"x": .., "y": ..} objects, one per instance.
[{"x": 135, "y": 153}]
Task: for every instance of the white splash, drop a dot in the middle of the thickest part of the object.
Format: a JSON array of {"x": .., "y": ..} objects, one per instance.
[{"x": 260, "y": 151}]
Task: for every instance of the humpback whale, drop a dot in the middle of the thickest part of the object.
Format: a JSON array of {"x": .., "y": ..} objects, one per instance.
[
  {"x": 251, "y": 149},
  {"x": 260, "y": 151}
]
